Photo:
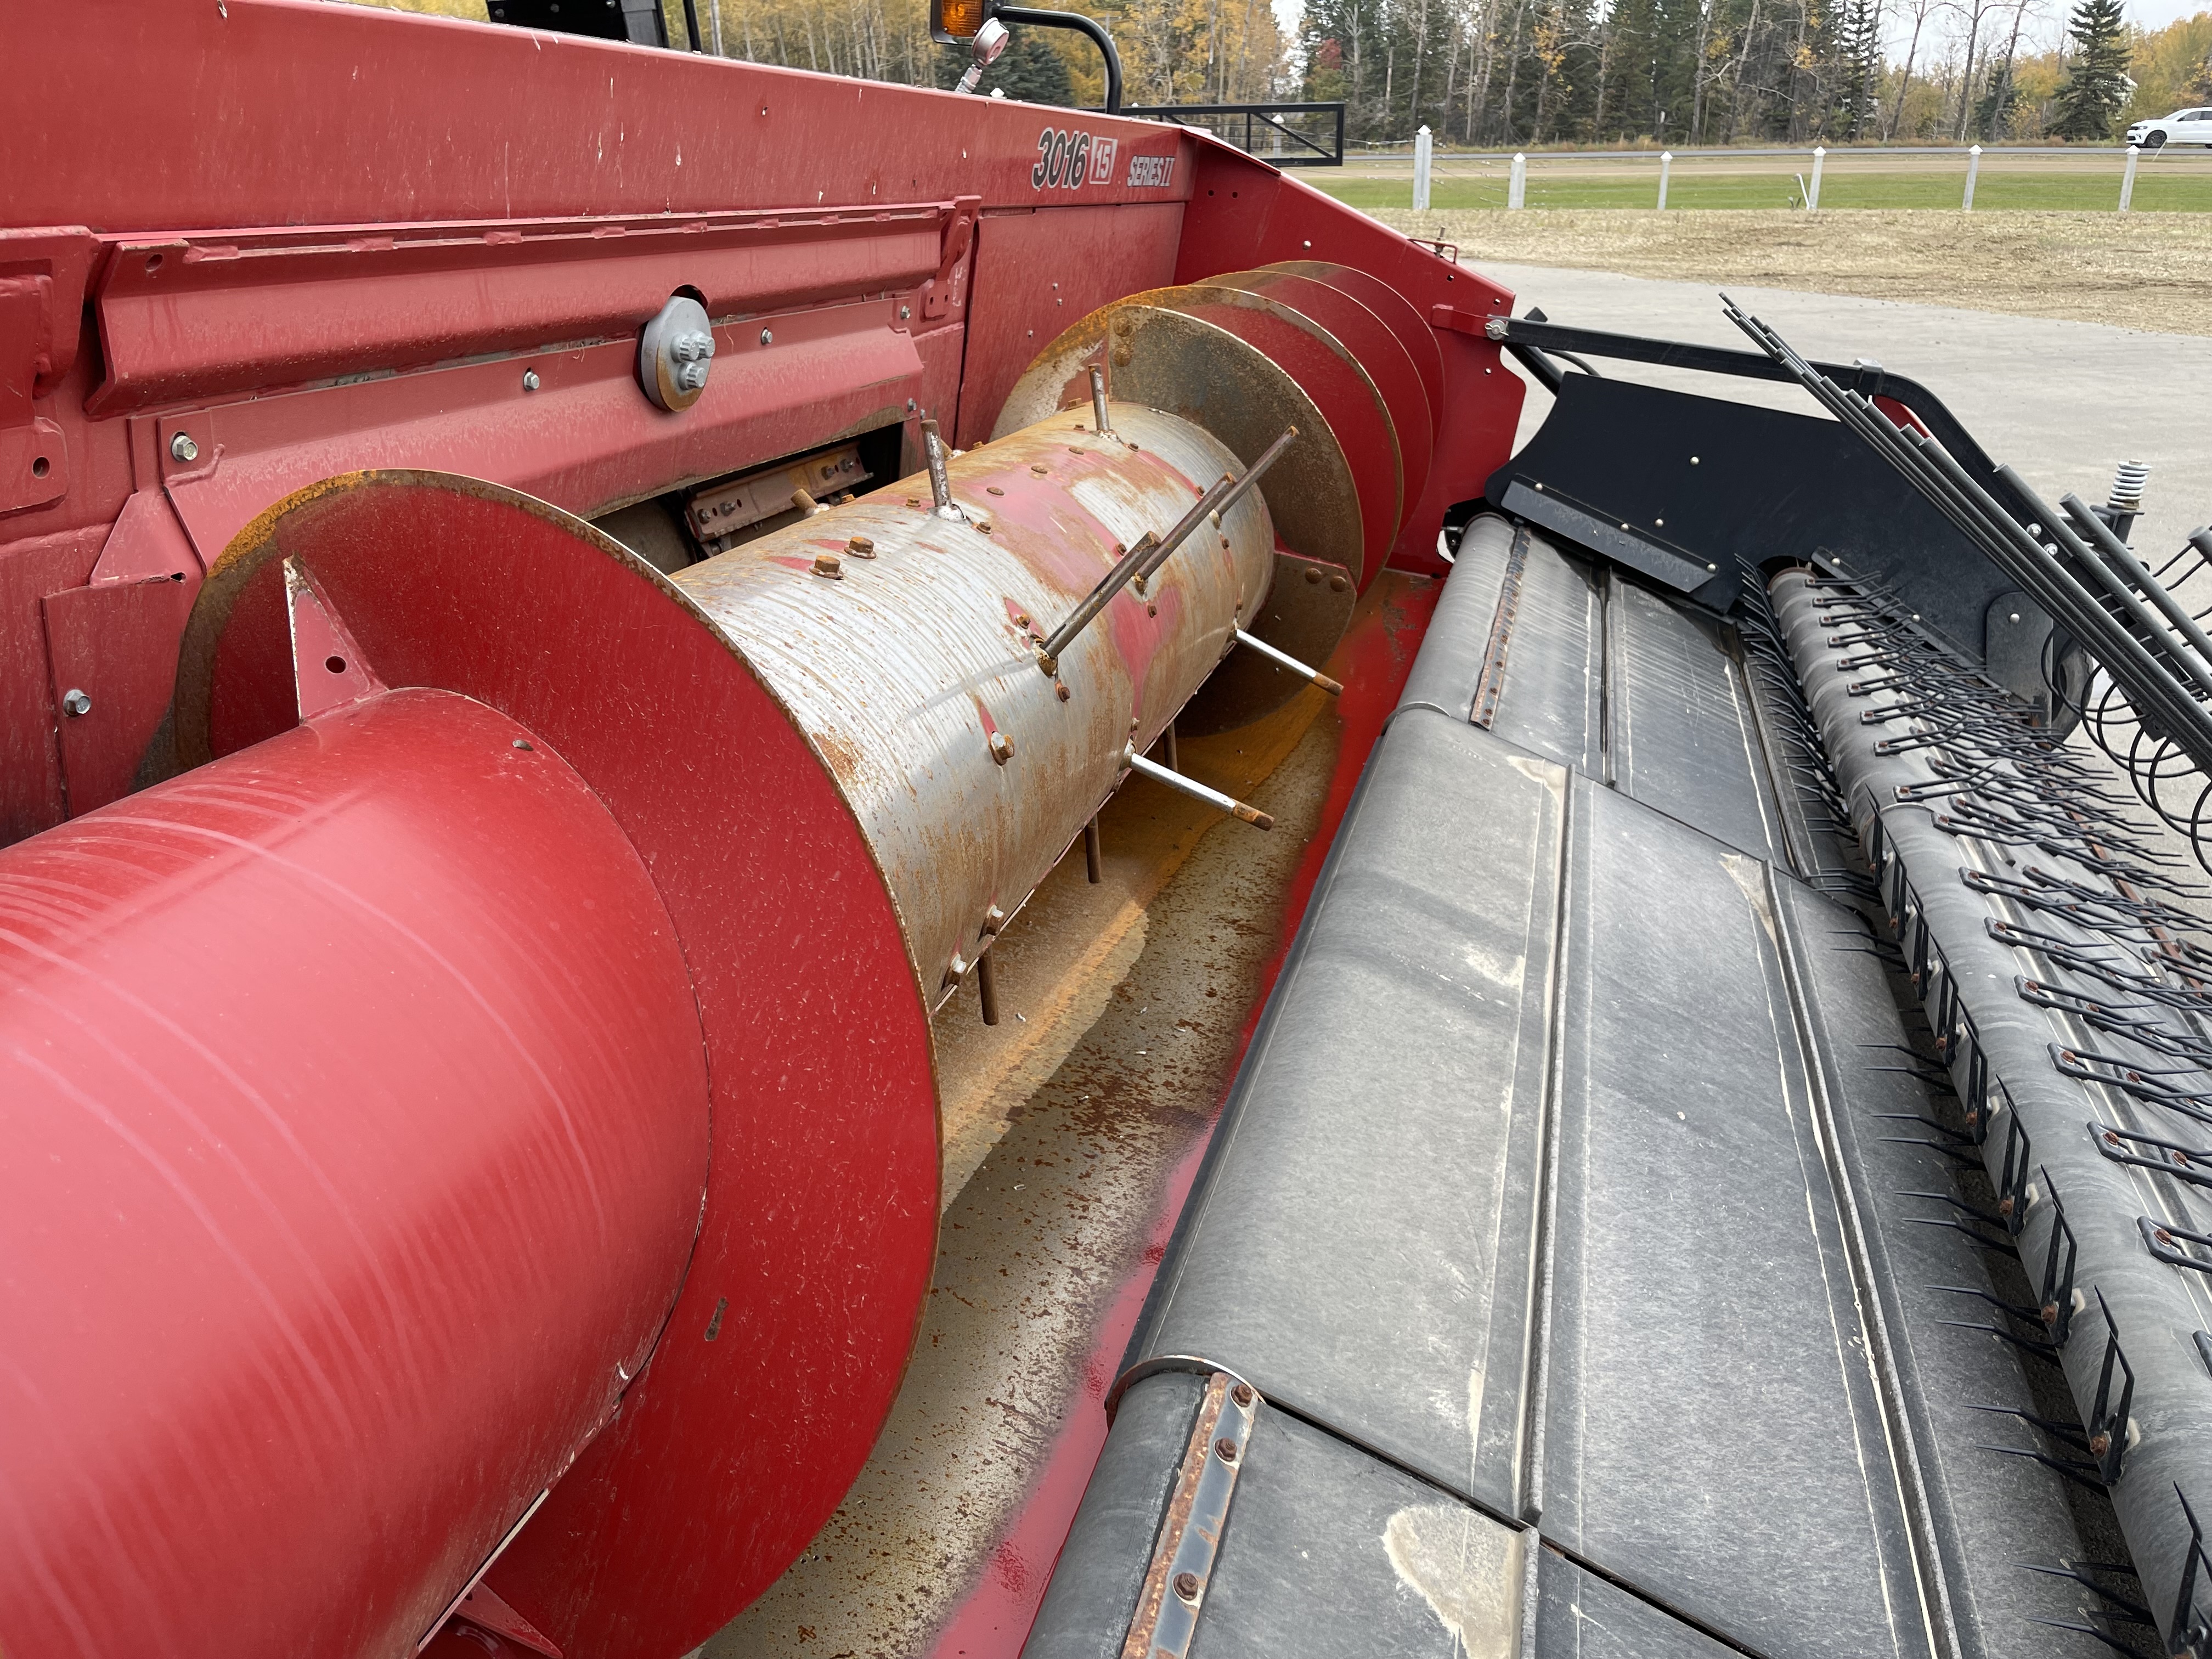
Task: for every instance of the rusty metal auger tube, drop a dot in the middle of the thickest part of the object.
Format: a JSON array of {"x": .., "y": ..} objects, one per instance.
[{"x": 915, "y": 671}]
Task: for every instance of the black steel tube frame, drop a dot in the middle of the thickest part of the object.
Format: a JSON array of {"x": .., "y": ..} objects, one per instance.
[
  {"x": 1073, "y": 20},
  {"x": 1265, "y": 114}
]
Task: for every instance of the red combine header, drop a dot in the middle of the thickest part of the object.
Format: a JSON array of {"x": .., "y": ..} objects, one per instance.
[{"x": 559, "y": 600}]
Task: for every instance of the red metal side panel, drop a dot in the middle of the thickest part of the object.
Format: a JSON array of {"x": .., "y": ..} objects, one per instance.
[
  {"x": 116, "y": 643},
  {"x": 586, "y": 439},
  {"x": 201, "y": 318},
  {"x": 30, "y": 753},
  {"x": 1035, "y": 273},
  {"x": 339, "y": 115}
]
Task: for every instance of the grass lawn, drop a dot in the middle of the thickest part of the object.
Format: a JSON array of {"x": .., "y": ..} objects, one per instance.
[
  {"x": 2145, "y": 271},
  {"x": 2076, "y": 192}
]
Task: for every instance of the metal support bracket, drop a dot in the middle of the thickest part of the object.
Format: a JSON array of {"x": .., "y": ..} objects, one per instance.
[{"x": 1183, "y": 1562}]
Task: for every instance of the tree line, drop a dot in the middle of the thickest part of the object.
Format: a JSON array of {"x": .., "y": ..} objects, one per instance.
[
  {"x": 1526, "y": 72},
  {"x": 1172, "y": 52},
  {"x": 1521, "y": 72}
]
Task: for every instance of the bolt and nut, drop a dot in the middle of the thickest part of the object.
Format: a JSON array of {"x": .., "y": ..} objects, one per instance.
[
  {"x": 530, "y": 381},
  {"x": 1186, "y": 1586},
  {"x": 182, "y": 448},
  {"x": 1225, "y": 1449},
  {"x": 74, "y": 701},
  {"x": 674, "y": 356},
  {"x": 692, "y": 353},
  {"x": 1241, "y": 1394},
  {"x": 829, "y": 564}
]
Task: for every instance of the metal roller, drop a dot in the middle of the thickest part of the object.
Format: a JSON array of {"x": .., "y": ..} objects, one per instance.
[
  {"x": 357, "y": 1121},
  {"x": 504, "y": 867},
  {"x": 991, "y": 769}
]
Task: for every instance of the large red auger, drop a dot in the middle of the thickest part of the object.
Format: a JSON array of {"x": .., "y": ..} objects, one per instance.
[{"x": 488, "y": 1092}]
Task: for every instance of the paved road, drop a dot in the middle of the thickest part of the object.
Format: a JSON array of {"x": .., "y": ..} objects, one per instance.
[{"x": 2063, "y": 402}]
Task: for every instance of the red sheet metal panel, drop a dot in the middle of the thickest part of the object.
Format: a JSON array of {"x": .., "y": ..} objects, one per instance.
[
  {"x": 356, "y": 1119},
  {"x": 200, "y": 317},
  {"x": 356, "y": 116},
  {"x": 30, "y": 740},
  {"x": 1036, "y": 272},
  {"x": 584, "y": 438},
  {"x": 112, "y": 652}
]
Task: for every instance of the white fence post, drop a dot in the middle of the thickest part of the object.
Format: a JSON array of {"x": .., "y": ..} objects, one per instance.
[
  {"x": 1424, "y": 153},
  {"x": 1666, "y": 163},
  {"x": 1813, "y": 195},
  {"x": 2128, "y": 180},
  {"x": 1516, "y": 188},
  {"x": 1973, "y": 167}
]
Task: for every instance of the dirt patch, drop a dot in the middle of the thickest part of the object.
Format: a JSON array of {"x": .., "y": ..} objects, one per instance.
[{"x": 2144, "y": 272}]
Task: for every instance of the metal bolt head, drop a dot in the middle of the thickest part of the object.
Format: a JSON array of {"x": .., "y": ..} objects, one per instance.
[
  {"x": 1337, "y": 584},
  {"x": 674, "y": 353},
  {"x": 1186, "y": 1586},
  {"x": 1241, "y": 1394},
  {"x": 1002, "y": 747},
  {"x": 829, "y": 564},
  {"x": 182, "y": 448},
  {"x": 905, "y": 311},
  {"x": 530, "y": 380},
  {"x": 768, "y": 337},
  {"x": 74, "y": 701},
  {"x": 1225, "y": 1449},
  {"x": 1060, "y": 689},
  {"x": 860, "y": 548}
]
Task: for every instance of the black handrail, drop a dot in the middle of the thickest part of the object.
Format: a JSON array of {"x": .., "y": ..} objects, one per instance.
[{"x": 1082, "y": 25}]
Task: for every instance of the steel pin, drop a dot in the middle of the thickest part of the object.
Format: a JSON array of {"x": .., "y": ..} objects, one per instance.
[
  {"x": 986, "y": 987},
  {"x": 1098, "y": 401},
  {"x": 1197, "y": 791},
  {"x": 940, "y": 481}
]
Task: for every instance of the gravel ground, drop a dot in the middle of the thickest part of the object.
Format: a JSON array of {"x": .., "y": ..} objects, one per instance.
[{"x": 2145, "y": 271}]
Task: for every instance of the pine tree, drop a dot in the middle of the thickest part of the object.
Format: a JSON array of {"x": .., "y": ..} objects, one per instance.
[
  {"x": 2097, "y": 84},
  {"x": 1858, "y": 46}
]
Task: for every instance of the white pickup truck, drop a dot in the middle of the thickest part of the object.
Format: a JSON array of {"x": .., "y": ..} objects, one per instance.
[{"x": 2183, "y": 126}]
